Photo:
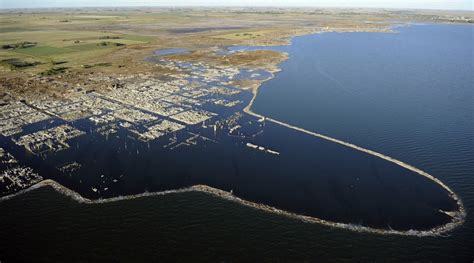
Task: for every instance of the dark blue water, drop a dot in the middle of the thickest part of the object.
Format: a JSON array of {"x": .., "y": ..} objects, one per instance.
[
  {"x": 408, "y": 95},
  {"x": 310, "y": 176},
  {"x": 404, "y": 93}
]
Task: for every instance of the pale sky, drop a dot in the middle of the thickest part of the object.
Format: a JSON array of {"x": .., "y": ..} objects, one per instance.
[{"x": 423, "y": 4}]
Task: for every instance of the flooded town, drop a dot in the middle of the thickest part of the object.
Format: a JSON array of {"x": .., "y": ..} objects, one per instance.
[{"x": 185, "y": 110}]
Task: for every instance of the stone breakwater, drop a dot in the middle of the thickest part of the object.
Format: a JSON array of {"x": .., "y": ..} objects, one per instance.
[
  {"x": 230, "y": 197},
  {"x": 458, "y": 217}
]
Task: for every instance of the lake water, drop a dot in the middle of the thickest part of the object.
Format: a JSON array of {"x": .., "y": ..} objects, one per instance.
[
  {"x": 171, "y": 51},
  {"x": 408, "y": 95}
]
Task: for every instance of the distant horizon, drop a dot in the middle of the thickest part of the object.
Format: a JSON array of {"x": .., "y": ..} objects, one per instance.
[
  {"x": 223, "y": 6},
  {"x": 446, "y": 5}
]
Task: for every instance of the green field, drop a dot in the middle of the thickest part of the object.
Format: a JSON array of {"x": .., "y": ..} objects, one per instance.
[
  {"x": 43, "y": 51},
  {"x": 15, "y": 29},
  {"x": 77, "y": 36},
  {"x": 138, "y": 38},
  {"x": 87, "y": 47}
]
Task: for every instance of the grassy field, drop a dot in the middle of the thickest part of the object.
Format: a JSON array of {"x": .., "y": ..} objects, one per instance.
[
  {"x": 41, "y": 51},
  {"x": 245, "y": 35},
  {"x": 63, "y": 41},
  {"x": 4, "y": 30},
  {"x": 126, "y": 36}
]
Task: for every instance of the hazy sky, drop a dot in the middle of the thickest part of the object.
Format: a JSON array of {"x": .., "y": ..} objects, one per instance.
[{"x": 426, "y": 4}]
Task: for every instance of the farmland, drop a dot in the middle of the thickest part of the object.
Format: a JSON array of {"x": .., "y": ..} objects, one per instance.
[{"x": 119, "y": 40}]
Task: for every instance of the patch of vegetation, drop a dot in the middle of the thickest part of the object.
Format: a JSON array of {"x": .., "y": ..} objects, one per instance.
[
  {"x": 248, "y": 34},
  {"x": 138, "y": 38},
  {"x": 43, "y": 51},
  {"x": 84, "y": 47},
  {"x": 58, "y": 62},
  {"x": 15, "y": 29},
  {"x": 24, "y": 44},
  {"x": 107, "y": 43},
  {"x": 53, "y": 71},
  {"x": 15, "y": 63},
  {"x": 105, "y": 64},
  {"x": 97, "y": 65},
  {"x": 110, "y": 37}
]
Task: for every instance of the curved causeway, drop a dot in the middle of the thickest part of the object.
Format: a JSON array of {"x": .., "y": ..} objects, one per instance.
[{"x": 458, "y": 216}]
